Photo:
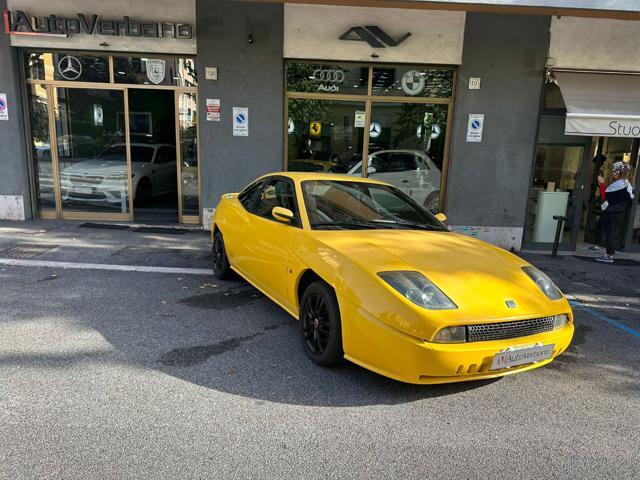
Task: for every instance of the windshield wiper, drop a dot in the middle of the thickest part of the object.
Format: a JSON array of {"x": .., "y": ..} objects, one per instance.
[
  {"x": 417, "y": 226},
  {"x": 349, "y": 224}
]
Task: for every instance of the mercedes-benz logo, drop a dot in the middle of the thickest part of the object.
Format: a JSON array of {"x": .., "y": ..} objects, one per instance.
[
  {"x": 375, "y": 129},
  {"x": 70, "y": 67}
]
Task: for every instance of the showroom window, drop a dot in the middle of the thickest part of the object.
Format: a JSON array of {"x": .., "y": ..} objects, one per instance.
[{"x": 392, "y": 118}]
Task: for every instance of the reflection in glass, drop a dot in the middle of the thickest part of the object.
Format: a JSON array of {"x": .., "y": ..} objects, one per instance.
[
  {"x": 91, "y": 150},
  {"x": 159, "y": 70},
  {"x": 324, "y": 135},
  {"x": 40, "y": 146},
  {"x": 407, "y": 81},
  {"x": 327, "y": 78},
  {"x": 188, "y": 110},
  {"x": 553, "y": 191},
  {"x": 64, "y": 66},
  {"x": 406, "y": 149}
]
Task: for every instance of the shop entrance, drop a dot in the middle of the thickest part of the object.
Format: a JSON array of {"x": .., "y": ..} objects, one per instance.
[
  {"x": 113, "y": 138},
  {"x": 154, "y": 178}
]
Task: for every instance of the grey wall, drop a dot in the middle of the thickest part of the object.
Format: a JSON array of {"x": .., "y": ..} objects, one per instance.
[
  {"x": 14, "y": 173},
  {"x": 488, "y": 181},
  {"x": 250, "y": 75}
]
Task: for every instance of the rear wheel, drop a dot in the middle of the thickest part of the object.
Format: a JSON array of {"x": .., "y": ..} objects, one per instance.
[
  {"x": 433, "y": 202},
  {"x": 221, "y": 267},
  {"x": 320, "y": 325}
]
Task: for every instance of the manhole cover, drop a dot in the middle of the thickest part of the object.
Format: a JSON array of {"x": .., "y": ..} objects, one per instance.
[{"x": 25, "y": 251}]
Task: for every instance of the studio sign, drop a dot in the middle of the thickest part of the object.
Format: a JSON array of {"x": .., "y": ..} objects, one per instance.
[
  {"x": 329, "y": 76},
  {"x": 19, "y": 23}
]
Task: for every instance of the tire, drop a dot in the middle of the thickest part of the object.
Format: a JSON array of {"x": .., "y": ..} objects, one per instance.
[
  {"x": 432, "y": 202},
  {"x": 143, "y": 192},
  {"x": 320, "y": 325},
  {"x": 221, "y": 267}
]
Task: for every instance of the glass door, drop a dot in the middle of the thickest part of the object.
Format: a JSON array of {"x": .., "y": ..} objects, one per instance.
[
  {"x": 92, "y": 154},
  {"x": 188, "y": 165}
]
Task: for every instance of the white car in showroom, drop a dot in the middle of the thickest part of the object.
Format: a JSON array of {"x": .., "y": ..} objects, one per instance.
[
  {"x": 412, "y": 171},
  {"x": 104, "y": 178}
]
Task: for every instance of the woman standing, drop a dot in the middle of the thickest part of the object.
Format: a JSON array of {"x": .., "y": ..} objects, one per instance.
[{"x": 616, "y": 198}]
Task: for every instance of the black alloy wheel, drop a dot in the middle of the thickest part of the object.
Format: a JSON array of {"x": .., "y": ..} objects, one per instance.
[
  {"x": 320, "y": 325},
  {"x": 221, "y": 267}
]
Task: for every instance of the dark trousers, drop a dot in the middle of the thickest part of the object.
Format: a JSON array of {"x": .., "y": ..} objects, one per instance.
[{"x": 608, "y": 225}]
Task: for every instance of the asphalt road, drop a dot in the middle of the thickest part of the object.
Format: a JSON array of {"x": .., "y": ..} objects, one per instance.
[{"x": 143, "y": 375}]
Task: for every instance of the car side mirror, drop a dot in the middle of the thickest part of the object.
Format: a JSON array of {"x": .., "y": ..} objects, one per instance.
[
  {"x": 282, "y": 214},
  {"x": 371, "y": 170},
  {"x": 441, "y": 217}
]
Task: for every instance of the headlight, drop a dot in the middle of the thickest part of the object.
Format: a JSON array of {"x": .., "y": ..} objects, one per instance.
[
  {"x": 543, "y": 282},
  {"x": 418, "y": 289}
]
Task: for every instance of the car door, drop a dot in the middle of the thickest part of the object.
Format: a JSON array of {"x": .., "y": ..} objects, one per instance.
[
  {"x": 267, "y": 247},
  {"x": 164, "y": 170},
  {"x": 391, "y": 167}
]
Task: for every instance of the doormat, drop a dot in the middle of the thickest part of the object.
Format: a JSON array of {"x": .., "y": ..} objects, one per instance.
[
  {"x": 620, "y": 262},
  {"x": 108, "y": 226},
  {"x": 24, "y": 252}
]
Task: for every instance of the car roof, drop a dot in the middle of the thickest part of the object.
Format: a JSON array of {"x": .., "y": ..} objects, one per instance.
[{"x": 304, "y": 176}]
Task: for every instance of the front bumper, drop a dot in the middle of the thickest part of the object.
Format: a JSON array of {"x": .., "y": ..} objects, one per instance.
[{"x": 385, "y": 350}]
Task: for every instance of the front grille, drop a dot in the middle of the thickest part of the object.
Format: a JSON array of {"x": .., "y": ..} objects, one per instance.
[{"x": 502, "y": 330}]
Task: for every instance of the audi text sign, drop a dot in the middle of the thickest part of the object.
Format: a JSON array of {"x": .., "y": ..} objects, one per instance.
[{"x": 19, "y": 23}]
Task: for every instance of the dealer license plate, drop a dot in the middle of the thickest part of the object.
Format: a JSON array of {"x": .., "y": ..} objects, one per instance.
[{"x": 521, "y": 356}]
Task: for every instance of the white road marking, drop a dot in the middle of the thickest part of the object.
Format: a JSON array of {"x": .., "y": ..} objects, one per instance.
[{"x": 102, "y": 266}]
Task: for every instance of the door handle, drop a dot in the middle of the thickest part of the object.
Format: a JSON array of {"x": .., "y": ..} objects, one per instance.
[{"x": 404, "y": 181}]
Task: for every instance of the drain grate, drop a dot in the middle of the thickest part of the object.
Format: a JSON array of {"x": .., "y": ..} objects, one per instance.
[
  {"x": 22, "y": 252},
  {"x": 108, "y": 226}
]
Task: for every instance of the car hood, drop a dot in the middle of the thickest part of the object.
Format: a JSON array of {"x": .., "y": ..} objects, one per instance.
[
  {"x": 478, "y": 277},
  {"x": 97, "y": 167}
]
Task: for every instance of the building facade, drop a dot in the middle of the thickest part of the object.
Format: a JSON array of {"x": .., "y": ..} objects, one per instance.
[{"x": 500, "y": 114}]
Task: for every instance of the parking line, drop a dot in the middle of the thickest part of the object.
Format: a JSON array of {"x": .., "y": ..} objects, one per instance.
[
  {"x": 102, "y": 266},
  {"x": 593, "y": 312}
]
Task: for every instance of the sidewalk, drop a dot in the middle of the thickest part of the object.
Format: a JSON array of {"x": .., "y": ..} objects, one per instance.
[{"x": 70, "y": 241}]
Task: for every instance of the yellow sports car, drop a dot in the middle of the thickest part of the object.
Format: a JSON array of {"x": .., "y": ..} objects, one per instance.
[{"x": 376, "y": 279}]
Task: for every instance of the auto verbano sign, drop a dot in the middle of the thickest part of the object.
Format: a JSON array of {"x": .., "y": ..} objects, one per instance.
[{"x": 19, "y": 22}]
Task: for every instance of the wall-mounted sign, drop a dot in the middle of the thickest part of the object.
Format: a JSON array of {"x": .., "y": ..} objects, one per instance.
[
  {"x": 474, "y": 83},
  {"x": 240, "y": 122},
  {"x": 213, "y": 109},
  {"x": 4, "y": 109},
  {"x": 374, "y": 36},
  {"x": 474, "y": 127},
  {"x": 360, "y": 119},
  {"x": 155, "y": 70},
  {"x": 211, "y": 73},
  {"x": 20, "y": 23}
]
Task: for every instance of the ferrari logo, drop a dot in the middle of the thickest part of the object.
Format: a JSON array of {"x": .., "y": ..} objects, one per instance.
[{"x": 315, "y": 129}]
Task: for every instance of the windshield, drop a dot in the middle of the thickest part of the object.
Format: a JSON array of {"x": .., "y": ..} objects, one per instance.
[{"x": 349, "y": 205}]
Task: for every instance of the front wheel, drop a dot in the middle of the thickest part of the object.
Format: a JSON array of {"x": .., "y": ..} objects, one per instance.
[
  {"x": 433, "y": 202},
  {"x": 221, "y": 267},
  {"x": 320, "y": 325}
]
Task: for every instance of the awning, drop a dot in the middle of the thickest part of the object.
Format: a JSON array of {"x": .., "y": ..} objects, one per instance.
[{"x": 601, "y": 104}]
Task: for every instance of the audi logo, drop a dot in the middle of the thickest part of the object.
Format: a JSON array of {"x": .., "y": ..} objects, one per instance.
[{"x": 333, "y": 76}]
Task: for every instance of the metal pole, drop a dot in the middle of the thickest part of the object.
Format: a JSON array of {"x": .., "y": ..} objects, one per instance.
[{"x": 556, "y": 240}]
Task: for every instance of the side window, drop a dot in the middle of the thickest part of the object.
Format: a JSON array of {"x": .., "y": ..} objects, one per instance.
[
  {"x": 276, "y": 193},
  {"x": 380, "y": 162},
  {"x": 248, "y": 195},
  {"x": 402, "y": 162},
  {"x": 166, "y": 155}
]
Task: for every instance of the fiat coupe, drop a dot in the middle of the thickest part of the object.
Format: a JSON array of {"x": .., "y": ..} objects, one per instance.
[{"x": 374, "y": 278}]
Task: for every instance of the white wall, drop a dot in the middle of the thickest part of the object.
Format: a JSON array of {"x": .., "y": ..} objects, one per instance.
[
  {"x": 313, "y": 32},
  {"x": 595, "y": 44},
  {"x": 174, "y": 11}
]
